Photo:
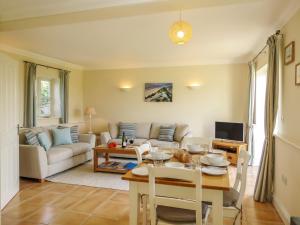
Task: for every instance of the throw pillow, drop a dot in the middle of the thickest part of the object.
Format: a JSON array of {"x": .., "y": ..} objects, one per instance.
[
  {"x": 128, "y": 128},
  {"x": 166, "y": 133},
  {"x": 31, "y": 138},
  {"x": 62, "y": 136},
  {"x": 44, "y": 140},
  {"x": 74, "y": 133}
]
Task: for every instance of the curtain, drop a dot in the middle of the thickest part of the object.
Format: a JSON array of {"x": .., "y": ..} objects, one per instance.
[
  {"x": 30, "y": 95},
  {"x": 64, "y": 96},
  {"x": 252, "y": 109},
  {"x": 265, "y": 179}
]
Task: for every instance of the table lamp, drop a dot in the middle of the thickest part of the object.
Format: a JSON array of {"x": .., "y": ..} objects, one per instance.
[{"x": 90, "y": 111}]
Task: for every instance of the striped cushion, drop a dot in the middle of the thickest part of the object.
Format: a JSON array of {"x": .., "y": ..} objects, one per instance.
[
  {"x": 74, "y": 133},
  {"x": 31, "y": 138},
  {"x": 128, "y": 128},
  {"x": 166, "y": 133}
]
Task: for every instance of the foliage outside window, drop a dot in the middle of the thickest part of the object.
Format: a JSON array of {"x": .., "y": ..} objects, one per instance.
[{"x": 45, "y": 98}]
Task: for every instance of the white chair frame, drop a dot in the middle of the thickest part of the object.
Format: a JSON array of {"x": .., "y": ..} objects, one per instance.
[
  {"x": 140, "y": 150},
  {"x": 174, "y": 173},
  {"x": 240, "y": 186}
]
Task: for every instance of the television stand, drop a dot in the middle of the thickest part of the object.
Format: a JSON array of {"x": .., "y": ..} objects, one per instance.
[{"x": 231, "y": 148}]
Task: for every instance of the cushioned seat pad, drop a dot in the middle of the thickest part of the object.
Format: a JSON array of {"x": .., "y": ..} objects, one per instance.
[
  {"x": 171, "y": 214},
  {"x": 164, "y": 144},
  {"x": 78, "y": 148},
  {"x": 230, "y": 198},
  {"x": 58, "y": 153}
]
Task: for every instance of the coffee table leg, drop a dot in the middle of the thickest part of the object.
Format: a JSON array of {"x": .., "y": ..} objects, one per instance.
[
  {"x": 95, "y": 161},
  {"x": 106, "y": 157}
]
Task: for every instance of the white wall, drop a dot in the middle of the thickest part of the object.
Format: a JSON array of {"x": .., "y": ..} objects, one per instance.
[
  {"x": 223, "y": 95},
  {"x": 287, "y": 170}
]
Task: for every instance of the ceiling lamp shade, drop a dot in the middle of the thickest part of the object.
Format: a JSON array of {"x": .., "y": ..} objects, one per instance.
[{"x": 180, "y": 32}]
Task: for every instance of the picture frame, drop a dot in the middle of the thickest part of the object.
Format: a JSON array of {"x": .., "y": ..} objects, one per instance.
[
  {"x": 158, "y": 92},
  {"x": 297, "y": 74},
  {"x": 289, "y": 53}
]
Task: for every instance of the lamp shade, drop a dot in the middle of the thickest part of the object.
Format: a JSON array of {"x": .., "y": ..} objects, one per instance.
[
  {"x": 90, "y": 111},
  {"x": 180, "y": 32}
]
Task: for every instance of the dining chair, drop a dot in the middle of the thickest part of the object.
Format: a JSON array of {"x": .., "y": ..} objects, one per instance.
[
  {"x": 233, "y": 199},
  {"x": 202, "y": 141},
  {"x": 140, "y": 150},
  {"x": 169, "y": 208}
]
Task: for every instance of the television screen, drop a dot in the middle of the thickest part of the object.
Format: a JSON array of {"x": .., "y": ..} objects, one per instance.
[{"x": 229, "y": 131}]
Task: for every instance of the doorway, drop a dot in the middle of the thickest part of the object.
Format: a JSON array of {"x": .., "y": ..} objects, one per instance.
[{"x": 259, "y": 127}]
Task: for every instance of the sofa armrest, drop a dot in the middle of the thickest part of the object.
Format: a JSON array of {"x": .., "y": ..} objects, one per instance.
[
  {"x": 105, "y": 138},
  {"x": 33, "y": 161},
  {"x": 88, "y": 138}
]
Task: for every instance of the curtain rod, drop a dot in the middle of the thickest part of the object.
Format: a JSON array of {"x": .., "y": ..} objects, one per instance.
[
  {"x": 264, "y": 48},
  {"x": 49, "y": 67}
]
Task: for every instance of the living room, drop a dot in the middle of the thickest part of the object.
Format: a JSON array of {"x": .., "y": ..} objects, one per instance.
[{"x": 86, "y": 69}]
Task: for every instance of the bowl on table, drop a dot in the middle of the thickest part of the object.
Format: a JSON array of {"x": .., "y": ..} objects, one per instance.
[{"x": 215, "y": 159}]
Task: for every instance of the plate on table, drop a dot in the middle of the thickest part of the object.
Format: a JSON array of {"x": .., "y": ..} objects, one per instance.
[
  {"x": 196, "y": 149},
  {"x": 163, "y": 156},
  {"x": 224, "y": 163},
  {"x": 174, "y": 165},
  {"x": 215, "y": 171},
  {"x": 140, "y": 171}
]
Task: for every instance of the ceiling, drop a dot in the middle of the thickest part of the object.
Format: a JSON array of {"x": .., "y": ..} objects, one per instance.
[{"x": 130, "y": 35}]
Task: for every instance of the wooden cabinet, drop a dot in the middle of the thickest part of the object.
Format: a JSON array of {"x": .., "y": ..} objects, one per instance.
[{"x": 232, "y": 149}]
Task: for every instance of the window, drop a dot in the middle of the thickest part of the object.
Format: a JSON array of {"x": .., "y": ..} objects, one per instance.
[
  {"x": 45, "y": 98},
  {"x": 48, "y": 98}
]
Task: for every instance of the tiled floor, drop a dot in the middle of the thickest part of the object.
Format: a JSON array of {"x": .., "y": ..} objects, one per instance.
[{"x": 62, "y": 204}]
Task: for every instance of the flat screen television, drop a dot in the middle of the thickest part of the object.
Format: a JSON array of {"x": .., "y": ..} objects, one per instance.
[{"x": 229, "y": 131}]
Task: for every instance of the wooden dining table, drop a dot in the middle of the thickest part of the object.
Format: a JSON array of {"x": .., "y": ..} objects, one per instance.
[{"x": 213, "y": 187}]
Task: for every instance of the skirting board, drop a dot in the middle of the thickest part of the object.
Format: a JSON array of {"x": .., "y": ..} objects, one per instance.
[{"x": 283, "y": 213}]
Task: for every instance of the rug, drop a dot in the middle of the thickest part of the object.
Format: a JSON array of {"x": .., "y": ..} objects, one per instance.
[{"x": 84, "y": 175}]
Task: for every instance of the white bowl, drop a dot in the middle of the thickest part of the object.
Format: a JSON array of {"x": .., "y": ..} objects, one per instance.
[
  {"x": 157, "y": 155},
  {"x": 215, "y": 159},
  {"x": 193, "y": 147}
]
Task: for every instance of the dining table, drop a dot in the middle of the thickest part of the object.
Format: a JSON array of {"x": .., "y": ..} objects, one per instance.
[{"x": 212, "y": 191}]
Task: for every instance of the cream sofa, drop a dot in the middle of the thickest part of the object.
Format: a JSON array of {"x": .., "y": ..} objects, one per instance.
[
  {"x": 147, "y": 132},
  {"x": 37, "y": 163}
]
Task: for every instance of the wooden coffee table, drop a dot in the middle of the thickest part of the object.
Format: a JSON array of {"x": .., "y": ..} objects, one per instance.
[{"x": 106, "y": 165}]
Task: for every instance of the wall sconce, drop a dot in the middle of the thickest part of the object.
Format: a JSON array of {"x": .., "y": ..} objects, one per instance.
[
  {"x": 125, "y": 88},
  {"x": 193, "y": 86}
]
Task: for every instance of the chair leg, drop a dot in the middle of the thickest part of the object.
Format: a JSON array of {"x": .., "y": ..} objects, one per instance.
[
  {"x": 144, "y": 206},
  {"x": 238, "y": 220},
  {"x": 206, "y": 217}
]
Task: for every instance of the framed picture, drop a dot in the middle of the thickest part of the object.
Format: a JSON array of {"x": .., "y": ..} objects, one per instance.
[
  {"x": 297, "y": 74},
  {"x": 289, "y": 53},
  {"x": 158, "y": 92}
]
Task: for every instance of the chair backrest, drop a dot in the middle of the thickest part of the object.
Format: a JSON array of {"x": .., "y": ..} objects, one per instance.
[
  {"x": 140, "y": 150},
  {"x": 171, "y": 200},
  {"x": 241, "y": 176},
  {"x": 203, "y": 141}
]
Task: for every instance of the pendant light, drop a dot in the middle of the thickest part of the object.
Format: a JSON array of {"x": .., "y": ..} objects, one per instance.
[{"x": 180, "y": 32}]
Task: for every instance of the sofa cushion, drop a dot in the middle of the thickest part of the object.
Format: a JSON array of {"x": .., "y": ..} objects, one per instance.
[
  {"x": 74, "y": 130},
  {"x": 31, "y": 138},
  {"x": 62, "y": 136},
  {"x": 164, "y": 144},
  {"x": 155, "y": 127},
  {"x": 44, "y": 140},
  {"x": 78, "y": 148},
  {"x": 113, "y": 129},
  {"x": 129, "y": 130},
  {"x": 137, "y": 142},
  {"x": 180, "y": 131},
  {"x": 143, "y": 130},
  {"x": 58, "y": 153},
  {"x": 166, "y": 133}
]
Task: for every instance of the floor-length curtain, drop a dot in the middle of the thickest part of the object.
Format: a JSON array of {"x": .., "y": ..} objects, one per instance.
[
  {"x": 265, "y": 180},
  {"x": 64, "y": 96},
  {"x": 251, "y": 109},
  {"x": 30, "y": 95}
]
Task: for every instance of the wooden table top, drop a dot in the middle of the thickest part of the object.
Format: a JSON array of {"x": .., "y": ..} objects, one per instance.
[
  {"x": 208, "y": 181},
  {"x": 117, "y": 150}
]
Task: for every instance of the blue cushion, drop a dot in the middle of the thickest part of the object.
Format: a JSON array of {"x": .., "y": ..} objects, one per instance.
[
  {"x": 74, "y": 133},
  {"x": 128, "y": 129},
  {"x": 62, "y": 136},
  {"x": 44, "y": 140},
  {"x": 166, "y": 133}
]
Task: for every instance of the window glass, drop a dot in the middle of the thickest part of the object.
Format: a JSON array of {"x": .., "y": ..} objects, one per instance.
[{"x": 45, "y": 98}]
